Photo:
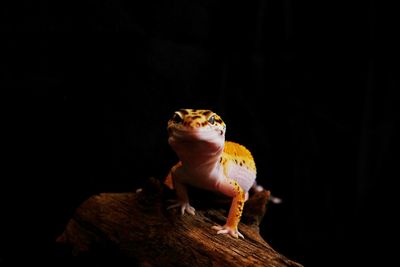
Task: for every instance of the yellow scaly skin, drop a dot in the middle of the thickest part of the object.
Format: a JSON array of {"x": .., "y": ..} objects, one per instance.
[{"x": 209, "y": 162}]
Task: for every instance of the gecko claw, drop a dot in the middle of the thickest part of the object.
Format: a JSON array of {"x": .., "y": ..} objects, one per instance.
[
  {"x": 228, "y": 230},
  {"x": 185, "y": 206}
]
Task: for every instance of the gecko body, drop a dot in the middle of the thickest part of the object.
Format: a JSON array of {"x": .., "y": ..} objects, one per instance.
[{"x": 209, "y": 162}]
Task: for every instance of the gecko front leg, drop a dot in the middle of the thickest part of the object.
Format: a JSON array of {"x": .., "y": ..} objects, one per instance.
[
  {"x": 231, "y": 188},
  {"x": 183, "y": 199}
]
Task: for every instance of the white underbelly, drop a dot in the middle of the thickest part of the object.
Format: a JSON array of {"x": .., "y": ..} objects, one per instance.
[{"x": 244, "y": 176}]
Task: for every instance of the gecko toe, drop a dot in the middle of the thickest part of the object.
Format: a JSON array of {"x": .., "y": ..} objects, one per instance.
[
  {"x": 190, "y": 210},
  {"x": 184, "y": 207},
  {"x": 174, "y": 206},
  {"x": 227, "y": 230}
]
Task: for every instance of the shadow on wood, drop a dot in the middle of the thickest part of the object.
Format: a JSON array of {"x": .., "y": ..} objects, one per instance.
[{"x": 138, "y": 228}]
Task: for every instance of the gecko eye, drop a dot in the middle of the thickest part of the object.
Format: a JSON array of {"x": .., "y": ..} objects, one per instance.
[
  {"x": 177, "y": 118},
  {"x": 211, "y": 119}
]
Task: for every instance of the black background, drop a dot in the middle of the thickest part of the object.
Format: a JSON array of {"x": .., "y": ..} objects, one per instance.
[{"x": 308, "y": 87}]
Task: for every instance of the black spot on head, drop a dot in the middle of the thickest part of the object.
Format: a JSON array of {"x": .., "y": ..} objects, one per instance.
[
  {"x": 207, "y": 112},
  {"x": 218, "y": 120},
  {"x": 241, "y": 164},
  {"x": 196, "y": 117}
]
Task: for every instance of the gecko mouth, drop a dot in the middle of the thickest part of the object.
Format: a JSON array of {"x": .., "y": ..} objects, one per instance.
[
  {"x": 196, "y": 134},
  {"x": 192, "y": 145}
]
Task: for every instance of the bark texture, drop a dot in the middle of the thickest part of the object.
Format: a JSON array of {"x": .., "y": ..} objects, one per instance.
[{"x": 138, "y": 228}]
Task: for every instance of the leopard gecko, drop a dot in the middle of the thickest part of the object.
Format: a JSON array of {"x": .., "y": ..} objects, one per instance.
[{"x": 209, "y": 162}]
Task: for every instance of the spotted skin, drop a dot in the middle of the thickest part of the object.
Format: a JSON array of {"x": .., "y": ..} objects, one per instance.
[{"x": 208, "y": 161}]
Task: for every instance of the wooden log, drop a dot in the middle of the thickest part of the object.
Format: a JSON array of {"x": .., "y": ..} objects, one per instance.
[{"x": 140, "y": 228}]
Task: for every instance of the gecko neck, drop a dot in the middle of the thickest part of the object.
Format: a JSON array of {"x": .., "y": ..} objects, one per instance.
[
  {"x": 198, "y": 155},
  {"x": 200, "y": 161}
]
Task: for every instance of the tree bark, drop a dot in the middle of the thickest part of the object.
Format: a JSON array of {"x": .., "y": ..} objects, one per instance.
[{"x": 138, "y": 228}]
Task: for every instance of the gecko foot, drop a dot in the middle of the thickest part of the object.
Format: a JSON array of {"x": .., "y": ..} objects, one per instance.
[
  {"x": 228, "y": 230},
  {"x": 185, "y": 206}
]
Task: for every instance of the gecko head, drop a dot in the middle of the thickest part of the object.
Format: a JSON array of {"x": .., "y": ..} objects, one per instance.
[{"x": 191, "y": 125}]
